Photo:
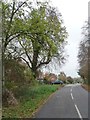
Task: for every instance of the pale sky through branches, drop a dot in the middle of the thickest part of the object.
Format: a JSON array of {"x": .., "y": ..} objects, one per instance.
[{"x": 74, "y": 13}]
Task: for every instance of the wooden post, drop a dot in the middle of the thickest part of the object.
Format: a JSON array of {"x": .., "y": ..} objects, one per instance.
[{"x": 89, "y": 57}]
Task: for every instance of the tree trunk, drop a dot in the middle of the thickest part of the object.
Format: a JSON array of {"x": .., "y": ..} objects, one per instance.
[{"x": 34, "y": 63}]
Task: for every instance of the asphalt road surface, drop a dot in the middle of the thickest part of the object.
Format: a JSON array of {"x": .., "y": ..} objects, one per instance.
[{"x": 70, "y": 101}]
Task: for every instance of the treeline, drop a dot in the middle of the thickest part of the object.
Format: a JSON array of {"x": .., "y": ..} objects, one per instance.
[{"x": 84, "y": 54}]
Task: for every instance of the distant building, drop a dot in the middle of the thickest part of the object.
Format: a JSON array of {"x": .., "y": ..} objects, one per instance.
[
  {"x": 40, "y": 75},
  {"x": 51, "y": 77}
]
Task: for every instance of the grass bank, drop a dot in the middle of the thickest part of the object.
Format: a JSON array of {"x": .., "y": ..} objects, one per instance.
[{"x": 30, "y": 98}]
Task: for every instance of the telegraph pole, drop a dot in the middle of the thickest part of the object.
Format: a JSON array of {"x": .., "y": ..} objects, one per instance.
[
  {"x": 89, "y": 42},
  {"x": 89, "y": 56},
  {"x": 1, "y": 61}
]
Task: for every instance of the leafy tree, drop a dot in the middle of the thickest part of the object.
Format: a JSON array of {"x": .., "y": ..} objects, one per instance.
[
  {"x": 35, "y": 34},
  {"x": 12, "y": 20},
  {"x": 69, "y": 79},
  {"x": 78, "y": 80},
  {"x": 44, "y": 39},
  {"x": 62, "y": 76}
]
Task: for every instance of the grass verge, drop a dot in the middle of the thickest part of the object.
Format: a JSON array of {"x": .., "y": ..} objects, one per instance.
[{"x": 29, "y": 100}]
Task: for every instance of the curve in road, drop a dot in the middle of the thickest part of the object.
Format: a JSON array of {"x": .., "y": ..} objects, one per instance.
[{"x": 69, "y": 102}]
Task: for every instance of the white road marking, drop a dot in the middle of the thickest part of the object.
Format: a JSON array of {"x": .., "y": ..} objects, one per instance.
[
  {"x": 75, "y": 104},
  {"x": 78, "y": 112},
  {"x": 72, "y": 96},
  {"x": 71, "y": 89}
]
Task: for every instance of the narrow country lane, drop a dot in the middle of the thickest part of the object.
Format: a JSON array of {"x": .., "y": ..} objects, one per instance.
[{"x": 69, "y": 102}]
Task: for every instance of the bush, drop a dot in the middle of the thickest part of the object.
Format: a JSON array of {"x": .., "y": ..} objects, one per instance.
[{"x": 14, "y": 71}]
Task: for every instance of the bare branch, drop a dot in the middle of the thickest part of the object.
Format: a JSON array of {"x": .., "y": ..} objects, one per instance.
[
  {"x": 26, "y": 52},
  {"x": 44, "y": 63},
  {"x": 25, "y": 61}
]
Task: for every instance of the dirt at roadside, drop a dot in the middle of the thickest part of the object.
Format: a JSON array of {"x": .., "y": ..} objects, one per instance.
[{"x": 86, "y": 87}]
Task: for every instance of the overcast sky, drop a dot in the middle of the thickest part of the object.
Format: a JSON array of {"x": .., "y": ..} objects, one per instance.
[{"x": 74, "y": 13}]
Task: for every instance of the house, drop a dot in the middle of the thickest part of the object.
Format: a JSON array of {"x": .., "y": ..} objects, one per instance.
[
  {"x": 50, "y": 77},
  {"x": 40, "y": 76}
]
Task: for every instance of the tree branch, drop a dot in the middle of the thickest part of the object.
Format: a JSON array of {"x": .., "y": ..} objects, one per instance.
[
  {"x": 19, "y": 7},
  {"x": 7, "y": 42},
  {"x": 43, "y": 63},
  {"x": 26, "y": 53},
  {"x": 25, "y": 61},
  {"x": 12, "y": 14},
  {"x": 10, "y": 22}
]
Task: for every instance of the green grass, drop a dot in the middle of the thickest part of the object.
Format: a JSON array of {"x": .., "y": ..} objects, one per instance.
[{"x": 30, "y": 98}]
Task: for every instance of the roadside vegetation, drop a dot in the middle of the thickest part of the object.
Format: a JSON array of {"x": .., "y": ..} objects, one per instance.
[
  {"x": 84, "y": 57},
  {"x": 30, "y": 98},
  {"x": 86, "y": 87}
]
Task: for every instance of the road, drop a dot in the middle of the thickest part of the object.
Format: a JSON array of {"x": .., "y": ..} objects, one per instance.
[{"x": 71, "y": 101}]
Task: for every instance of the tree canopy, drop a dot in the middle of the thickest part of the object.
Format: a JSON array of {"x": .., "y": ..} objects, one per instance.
[{"x": 35, "y": 34}]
